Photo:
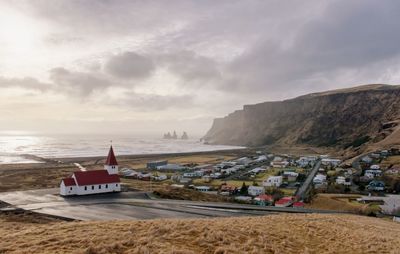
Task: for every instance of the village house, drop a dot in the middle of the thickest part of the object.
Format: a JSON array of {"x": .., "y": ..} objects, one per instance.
[
  {"x": 366, "y": 159},
  {"x": 202, "y": 188},
  {"x": 376, "y": 186},
  {"x": 330, "y": 162},
  {"x": 284, "y": 202},
  {"x": 319, "y": 179},
  {"x": 161, "y": 177},
  {"x": 255, "y": 190},
  {"x": 375, "y": 155},
  {"x": 290, "y": 176},
  {"x": 244, "y": 161},
  {"x": 154, "y": 164},
  {"x": 226, "y": 189},
  {"x": 264, "y": 200},
  {"x": 342, "y": 180},
  {"x": 279, "y": 164},
  {"x": 171, "y": 167},
  {"x": 298, "y": 204},
  {"x": 193, "y": 174},
  {"x": 93, "y": 181},
  {"x": 261, "y": 158},
  {"x": 306, "y": 161},
  {"x": 375, "y": 167},
  {"x": 372, "y": 173},
  {"x": 273, "y": 181},
  {"x": 257, "y": 170}
]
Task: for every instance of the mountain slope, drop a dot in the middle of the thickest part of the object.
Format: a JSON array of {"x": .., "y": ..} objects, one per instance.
[{"x": 346, "y": 118}]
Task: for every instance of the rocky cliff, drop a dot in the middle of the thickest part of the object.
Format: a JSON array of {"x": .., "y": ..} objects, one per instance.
[{"x": 346, "y": 118}]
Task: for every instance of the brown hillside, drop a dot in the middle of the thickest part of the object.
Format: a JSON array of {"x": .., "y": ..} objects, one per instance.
[
  {"x": 355, "y": 119},
  {"x": 268, "y": 234}
]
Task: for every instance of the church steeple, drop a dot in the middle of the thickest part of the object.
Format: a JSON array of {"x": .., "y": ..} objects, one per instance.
[
  {"x": 111, "y": 164},
  {"x": 111, "y": 160}
]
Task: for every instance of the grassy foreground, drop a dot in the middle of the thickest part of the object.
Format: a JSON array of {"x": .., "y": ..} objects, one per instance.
[{"x": 282, "y": 233}]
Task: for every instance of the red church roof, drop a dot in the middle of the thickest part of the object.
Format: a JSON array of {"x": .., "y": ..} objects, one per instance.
[
  {"x": 69, "y": 181},
  {"x": 111, "y": 160},
  {"x": 93, "y": 177}
]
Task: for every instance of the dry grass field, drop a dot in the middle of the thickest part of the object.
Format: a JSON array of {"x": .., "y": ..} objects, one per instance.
[
  {"x": 187, "y": 194},
  {"x": 391, "y": 160},
  {"x": 341, "y": 202},
  {"x": 32, "y": 176},
  {"x": 268, "y": 234}
]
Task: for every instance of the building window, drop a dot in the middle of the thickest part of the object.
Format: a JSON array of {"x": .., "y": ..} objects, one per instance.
[
  {"x": 99, "y": 187},
  {"x": 92, "y": 187},
  {"x": 106, "y": 186},
  {"x": 85, "y": 187},
  {"x": 70, "y": 188},
  {"x": 116, "y": 185}
]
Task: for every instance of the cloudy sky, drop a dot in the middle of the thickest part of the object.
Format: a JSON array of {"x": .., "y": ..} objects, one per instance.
[{"x": 145, "y": 67}]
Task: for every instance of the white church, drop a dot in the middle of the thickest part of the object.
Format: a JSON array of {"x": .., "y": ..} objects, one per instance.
[{"x": 93, "y": 181}]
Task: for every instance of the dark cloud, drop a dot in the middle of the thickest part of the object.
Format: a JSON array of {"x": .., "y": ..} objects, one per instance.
[
  {"x": 25, "y": 83},
  {"x": 348, "y": 37},
  {"x": 130, "y": 65},
  {"x": 154, "y": 102},
  {"x": 190, "y": 66},
  {"x": 77, "y": 83}
]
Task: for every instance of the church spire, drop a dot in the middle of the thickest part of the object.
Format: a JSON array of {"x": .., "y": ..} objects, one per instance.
[{"x": 111, "y": 160}]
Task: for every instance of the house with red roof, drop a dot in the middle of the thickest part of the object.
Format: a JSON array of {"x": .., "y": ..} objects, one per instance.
[
  {"x": 284, "y": 202},
  {"x": 93, "y": 181},
  {"x": 264, "y": 200},
  {"x": 298, "y": 204}
]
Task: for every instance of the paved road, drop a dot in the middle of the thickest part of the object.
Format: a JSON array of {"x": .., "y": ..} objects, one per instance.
[
  {"x": 130, "y": 205},
  {"x": 302, "y": 192}
]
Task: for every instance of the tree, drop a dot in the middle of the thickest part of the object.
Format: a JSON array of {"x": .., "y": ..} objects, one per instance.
[{"x": 243, "y": 190}]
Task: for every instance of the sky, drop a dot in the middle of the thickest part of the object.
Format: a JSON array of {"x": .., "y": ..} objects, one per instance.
[{"x": 148, "y": 67}]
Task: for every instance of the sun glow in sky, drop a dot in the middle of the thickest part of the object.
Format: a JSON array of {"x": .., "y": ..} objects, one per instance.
[
  {"x": 20, "y": 36},
  {"x": 155, "y": 66}
]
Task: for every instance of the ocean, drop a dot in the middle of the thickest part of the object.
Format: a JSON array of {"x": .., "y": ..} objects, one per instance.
[{"x": 17, "y": 148}]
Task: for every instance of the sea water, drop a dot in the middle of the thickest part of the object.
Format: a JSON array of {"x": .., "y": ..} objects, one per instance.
[{"x": 17, "y": 148}]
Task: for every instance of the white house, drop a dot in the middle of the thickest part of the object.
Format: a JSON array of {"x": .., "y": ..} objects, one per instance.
[
  {"x": 261, "y": 158},
  {"x": 290, "y": 176},
  {"x": 255, "y": 190},
  {"x": 319, "y": 179},
  {"x": 203, "y": 188},
  {"x": 366, "y": 159},
  {"x": 160, "y": 177},
  {"x": 93, "y": 181},
  {"x": 332, "y": 162},
  {"x": 279, "y": 164},
  {"x": 371, "y": 173},
  {"x": 273, "y": 181},
  {"x": 342, "y": 180},
  {"x": 193, "y": 174},
  {"x": 375, "y": 167},
  {"x": 243, "y": 161}
]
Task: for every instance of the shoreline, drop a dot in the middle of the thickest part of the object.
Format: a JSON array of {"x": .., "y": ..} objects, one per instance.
[{"x": 66, "y": 162}]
